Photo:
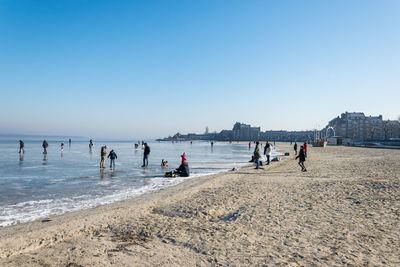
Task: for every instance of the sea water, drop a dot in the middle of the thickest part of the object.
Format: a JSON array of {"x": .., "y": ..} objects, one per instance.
[{"x": 34, "y": 185}]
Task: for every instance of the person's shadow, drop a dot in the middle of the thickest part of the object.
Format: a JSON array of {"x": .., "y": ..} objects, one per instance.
[{"x": 44, "y": 159}]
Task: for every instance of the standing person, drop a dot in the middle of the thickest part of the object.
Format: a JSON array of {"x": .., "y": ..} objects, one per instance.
[
  {"x": 295, "y": 148},
  {"x": 212, "y": 143},
  {"x": 112, "y": 156},
  {"x": 257, "y": 155},
  {"x": 69, "y": 142},
  {"x": 305, "y": 146},
  {"x": 103, "y": 154},
  {"x": 267, "y": 152},
  {"x": 146, "y": 153},
  {"x": 45, "y": 145},
  {"x": 302, "y": 158},
  {"x": 249, "y": 145},
  {"x": 91, "y": 144},
  {"x": 21, "y": 147},
  {"x": 62, "y": 146}
]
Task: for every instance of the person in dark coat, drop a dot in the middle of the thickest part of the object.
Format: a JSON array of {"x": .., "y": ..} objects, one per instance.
[
  {"x": 45, "y": 145},
  {"x": 295, "y": 148},
  {"x": 302, "y": 158},
  {"x": 112, "y": 156},
  {"x": 21, "y": 147},
  {"x": 257, "y": 155},
  {"x": 146, "y": 154},
  {"x": 183, "y": 170}
]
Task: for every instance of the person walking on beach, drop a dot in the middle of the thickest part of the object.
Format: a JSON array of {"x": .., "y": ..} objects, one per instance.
[
  {"x": 62, "y": 146},
  {"x": 257, "y": 155},
  {"x": 302, "y": 158},
  {"x": 45, "y": 145},
  {"x": 103, "y": 154},
  {"x": 305, "y": 146},
  {"x": 112, "y": 156},
  {"x": 146, "y": 153},
  {"x": 21, "y": 147},
  {"x": 295, "y": 148},
  {"x": 267, "y": 152}
]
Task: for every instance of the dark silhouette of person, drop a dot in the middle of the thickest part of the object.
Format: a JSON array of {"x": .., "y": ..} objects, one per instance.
[
  {"x": 302, "y": 158},
  {"x": 112, "y": 156},
  {"x": 45, "y": 145},
  {"x": 21, "y": 147},
  {"x": 146, "y": 154}
]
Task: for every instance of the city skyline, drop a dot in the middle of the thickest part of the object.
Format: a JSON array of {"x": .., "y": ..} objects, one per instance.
[
  {"x": 353, "y": 126},
  {"x": 135, "y": 69}
]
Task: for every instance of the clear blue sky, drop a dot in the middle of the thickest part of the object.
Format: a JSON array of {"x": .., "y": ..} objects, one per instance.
[{"x": 151, "y": 68}]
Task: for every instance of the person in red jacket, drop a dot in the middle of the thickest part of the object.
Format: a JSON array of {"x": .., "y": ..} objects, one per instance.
[
  {"x": 183, "y": 156},
  {"x": 305, "y": 146}
]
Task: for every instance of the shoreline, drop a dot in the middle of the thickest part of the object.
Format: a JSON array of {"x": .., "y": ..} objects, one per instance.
[
  {"x": 30, "y": 207},
  {"x": 345, "y": 210}
]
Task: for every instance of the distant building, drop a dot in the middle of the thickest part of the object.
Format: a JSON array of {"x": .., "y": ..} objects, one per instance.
[
  {"x": 292, "y": 136},
  {"x": 361, "y": 128},
  {"x": 244, "y": 132},
  {"x": 391, "y": 129},
  {"x": 225, "y": 135}
]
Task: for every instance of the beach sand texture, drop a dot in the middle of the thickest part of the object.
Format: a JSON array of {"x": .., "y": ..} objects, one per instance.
[{"x": 343, "y": 211}]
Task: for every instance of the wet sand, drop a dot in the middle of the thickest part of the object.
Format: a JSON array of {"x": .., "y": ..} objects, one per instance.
[{"x": 344, "y": 211}]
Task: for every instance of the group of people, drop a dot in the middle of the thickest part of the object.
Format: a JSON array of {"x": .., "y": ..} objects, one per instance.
[
  {"x": 112, "y": 156},
  {"x": 182, "y": 170},
  {"x": 257, "y": 153},
  {"x": 302, "y": 155},
  {"x": 45, "y": 145}
]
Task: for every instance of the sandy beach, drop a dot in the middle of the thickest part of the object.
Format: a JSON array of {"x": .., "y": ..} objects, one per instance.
[{"x": 344, "y": 211}]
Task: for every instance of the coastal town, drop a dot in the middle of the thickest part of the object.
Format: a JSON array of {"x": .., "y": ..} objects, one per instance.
[{"x": 349, "y": 127}]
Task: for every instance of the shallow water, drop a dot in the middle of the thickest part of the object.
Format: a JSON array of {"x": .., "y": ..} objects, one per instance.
[{"x": 34, "y": 185}]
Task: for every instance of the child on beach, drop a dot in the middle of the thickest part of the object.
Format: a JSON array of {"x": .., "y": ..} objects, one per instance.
[
  {"x": 164, "y": 163},
  {"x": 112, "y": 156},
  {"x": 302, "y": 158}
]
